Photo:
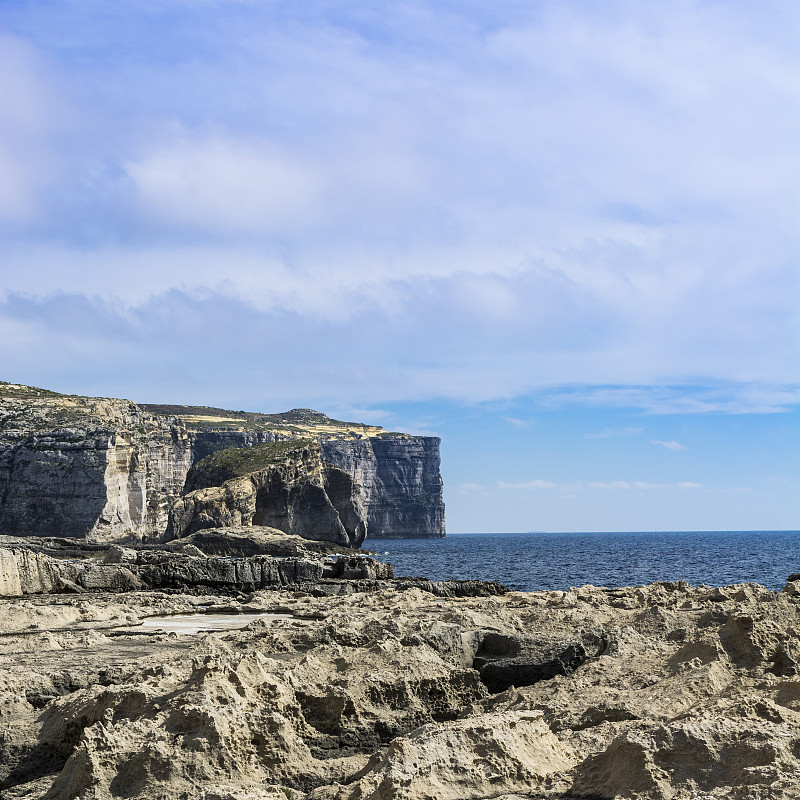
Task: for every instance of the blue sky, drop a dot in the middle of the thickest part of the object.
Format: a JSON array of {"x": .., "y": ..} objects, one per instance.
[{"x": 561, "y": 235}]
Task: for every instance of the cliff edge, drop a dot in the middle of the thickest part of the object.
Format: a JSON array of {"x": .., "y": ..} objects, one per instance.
[{"x": 107, "y": 468}]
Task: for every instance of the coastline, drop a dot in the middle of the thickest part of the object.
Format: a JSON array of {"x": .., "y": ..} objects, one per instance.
[
  {"x": 544, "y": 561},
  {"x": 402, "y": 691}
]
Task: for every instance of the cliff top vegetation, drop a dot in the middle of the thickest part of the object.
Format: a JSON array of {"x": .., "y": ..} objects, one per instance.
[
  {"x": 298, "y": 421},
  {"x": 54, "y": 409},
  {"x": 235, "y": 461}
]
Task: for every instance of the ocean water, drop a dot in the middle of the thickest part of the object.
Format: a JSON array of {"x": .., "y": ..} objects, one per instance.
[{"x": 534, "y": 561}]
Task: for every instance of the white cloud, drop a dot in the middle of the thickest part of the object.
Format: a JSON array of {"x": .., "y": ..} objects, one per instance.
[
  {"x": 726, "y": 397},
  {"x": 670, "y": 445},
  {"x": 492, "y": 201},
  {"x": 646, "y": 485},
  {"x": 30, "y": 116},
  {"x": 223, "y": 184},
  {"x": 607, "y": 433},
  {"x": 537, "y": 484},
  {"x": 473, "y": 488},
  {"x": 606, "y": 485},
  {"x": 518, "y": 423}
]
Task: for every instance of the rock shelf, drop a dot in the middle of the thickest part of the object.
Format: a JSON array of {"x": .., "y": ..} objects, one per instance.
[{"x": 402, "y": 690}]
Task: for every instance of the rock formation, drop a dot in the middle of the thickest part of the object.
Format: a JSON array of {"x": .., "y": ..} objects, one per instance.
[
  {"x": 76, "y": 466},
  {"x": 387, "y": 692},
  {"x": 401, "y": 481},
  {"x": 283, "y": 485},
  {"x": 104, "y": 468},
  {"x": 25, "y": 573}
]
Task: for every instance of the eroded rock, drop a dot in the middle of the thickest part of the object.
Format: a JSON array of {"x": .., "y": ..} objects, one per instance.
[
  {"x": 373, "y": 694},
  {"x": 282, "y": 485},
  {"x": 480, "y": 757}
]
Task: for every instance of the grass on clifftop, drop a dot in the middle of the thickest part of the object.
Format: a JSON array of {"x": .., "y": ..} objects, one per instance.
[
  {"x": 211, "y": 416},
  {"x": 298, "y": 422},
  {"x": 236, "y": 461},
  {"x": 20, "y": 391}
]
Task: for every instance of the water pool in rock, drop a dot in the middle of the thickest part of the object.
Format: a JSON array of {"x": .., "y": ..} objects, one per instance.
[{"x": 204, "y": 623}]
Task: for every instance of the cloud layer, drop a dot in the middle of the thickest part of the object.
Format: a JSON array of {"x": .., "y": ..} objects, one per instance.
[{"x": 333, "y": 204}]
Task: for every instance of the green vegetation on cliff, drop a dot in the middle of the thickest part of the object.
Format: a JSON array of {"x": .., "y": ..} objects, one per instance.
[
  {"x": 19, "y": 391},
  {"x": 38, "y": 408},
  {"x": 235, "y": 461}
]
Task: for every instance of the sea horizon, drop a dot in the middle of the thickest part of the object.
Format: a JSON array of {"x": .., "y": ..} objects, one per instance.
[
  {"x": 600, "y": 532},
  {"x": 534, "y": 561}
]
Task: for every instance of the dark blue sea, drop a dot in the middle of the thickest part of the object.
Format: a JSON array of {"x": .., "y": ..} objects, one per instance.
[{"x": 534, "y": 561}]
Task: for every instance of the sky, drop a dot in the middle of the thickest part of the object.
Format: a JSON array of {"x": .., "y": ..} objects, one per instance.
[{"x": 562, "y": 235}]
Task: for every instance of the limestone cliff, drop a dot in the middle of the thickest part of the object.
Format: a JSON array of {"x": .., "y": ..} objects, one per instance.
[
  {"x": 400, "y": 477},
  {"x": 104, "y": 468},
  {"x": 283, "y": 485},
  {"x": 77, "y": 466}
]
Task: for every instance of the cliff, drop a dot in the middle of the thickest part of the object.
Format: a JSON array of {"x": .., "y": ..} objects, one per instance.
[
  {"x": 81, "y": 466},
  {"x": 106, "y": 468},
  {"x": 284, "y": 485},
  {"x": 400, "y": 477}
]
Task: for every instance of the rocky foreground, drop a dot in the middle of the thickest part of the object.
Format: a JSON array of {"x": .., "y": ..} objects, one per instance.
[{"x": 391, "y": 690}]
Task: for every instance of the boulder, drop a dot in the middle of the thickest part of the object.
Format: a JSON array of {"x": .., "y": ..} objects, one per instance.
[
  {"x": 117, "y": 554},
  {"x": 484, "y": 756}
]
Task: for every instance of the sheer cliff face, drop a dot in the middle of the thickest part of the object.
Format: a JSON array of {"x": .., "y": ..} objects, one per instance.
[
  {"x": 401, "y": 481},
  {"x": 86, "y": 466},
  {"x": 77, "y": 466}
]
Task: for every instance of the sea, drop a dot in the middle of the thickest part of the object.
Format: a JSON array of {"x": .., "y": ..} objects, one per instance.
[{"x": 546, "y": 561}]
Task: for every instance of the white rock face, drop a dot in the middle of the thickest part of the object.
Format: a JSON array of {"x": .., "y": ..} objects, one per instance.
[
  {"x": 23, "y": 572},
  {"x": 87, "y": 466}
]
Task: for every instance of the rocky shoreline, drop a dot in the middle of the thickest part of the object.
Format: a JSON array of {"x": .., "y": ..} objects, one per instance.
[{"x": 347, "y": 683}]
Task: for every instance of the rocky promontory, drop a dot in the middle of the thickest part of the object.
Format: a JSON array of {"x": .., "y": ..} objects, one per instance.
[
  {"x": 283, "y": 485},
  {"x": 109, "y": 469},
  {"x": 392, "y": 689}
]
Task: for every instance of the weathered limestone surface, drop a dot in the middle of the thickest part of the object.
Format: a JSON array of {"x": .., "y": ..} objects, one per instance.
[
  {"x": 79, "y": 466},
  {"x": 247, "y": 541},
  {"x": 385, "y": 693},
  {"x": 104, "y": 468},
  {"x": 23, "y": 572}
]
